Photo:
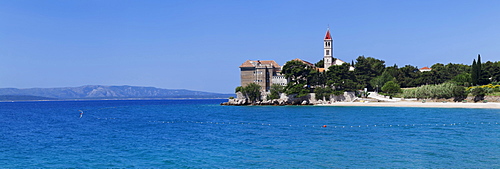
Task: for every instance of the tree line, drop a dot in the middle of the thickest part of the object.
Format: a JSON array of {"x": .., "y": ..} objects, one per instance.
[{"x": 373, "y": 74}]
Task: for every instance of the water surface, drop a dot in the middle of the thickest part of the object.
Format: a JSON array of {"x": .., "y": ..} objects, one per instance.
[{"x": 203, "y": 134}]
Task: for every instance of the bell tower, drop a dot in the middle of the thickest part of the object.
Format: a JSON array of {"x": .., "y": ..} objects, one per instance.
[{"x": 328, "y": 50}]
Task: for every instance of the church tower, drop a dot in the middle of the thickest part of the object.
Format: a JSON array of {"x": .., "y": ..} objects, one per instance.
[{"x": 328, "y": 50}]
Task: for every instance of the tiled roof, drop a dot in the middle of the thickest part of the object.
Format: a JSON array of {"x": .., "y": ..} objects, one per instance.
[
  {"x": 305, "y": 62},
  {"x": 253, "y": 63},
  {"x": 247, "y": 64},
  {"x": 425, "y": 68}
]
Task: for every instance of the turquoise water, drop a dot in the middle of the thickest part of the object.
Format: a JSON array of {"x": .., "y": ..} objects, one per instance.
[{"x": 202, "y": 134}]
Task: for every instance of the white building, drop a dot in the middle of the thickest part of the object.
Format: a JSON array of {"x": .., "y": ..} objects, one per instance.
[
  {"x": 328, "y": 57},
  {"x": 268, "y": 72}
]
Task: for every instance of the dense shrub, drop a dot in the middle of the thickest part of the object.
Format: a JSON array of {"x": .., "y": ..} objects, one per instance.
[
  {"x": 444, "y": 90},
  {"x": 480, "y": 91},
  {"x": 275, "y": 92},
  {"x": 391, "y": 88}
]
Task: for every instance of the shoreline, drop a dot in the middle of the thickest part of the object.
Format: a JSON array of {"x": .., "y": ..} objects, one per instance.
[
  {"x": 489, "y": 105},
  {"x": 120, "y": 99}
]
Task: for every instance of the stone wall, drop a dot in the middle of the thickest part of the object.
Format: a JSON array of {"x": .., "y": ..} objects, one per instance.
[
  {"x": 492, "y": 98},
  {"x": 488, "y": 98},
  {"x": 247, "y": 76}
]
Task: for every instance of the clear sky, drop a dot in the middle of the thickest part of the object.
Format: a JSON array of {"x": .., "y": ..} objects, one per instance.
[{"x": 199, "y": 45}]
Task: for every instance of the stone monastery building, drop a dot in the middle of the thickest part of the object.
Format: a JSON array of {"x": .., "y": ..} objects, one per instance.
[{"x": 267, "y": 72}]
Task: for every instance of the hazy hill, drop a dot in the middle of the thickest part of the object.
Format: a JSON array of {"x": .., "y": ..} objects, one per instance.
[{"x": 104, "y": 92}]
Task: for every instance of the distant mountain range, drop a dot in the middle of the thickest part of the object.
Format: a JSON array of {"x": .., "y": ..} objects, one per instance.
[{"x": 102, "y": 92}]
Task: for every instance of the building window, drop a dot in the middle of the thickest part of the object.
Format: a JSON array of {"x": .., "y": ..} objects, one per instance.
[{"x": 327, "y": 52}]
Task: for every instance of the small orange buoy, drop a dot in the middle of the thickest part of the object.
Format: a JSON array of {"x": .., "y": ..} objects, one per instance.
[{"x": 324, "y": 125}]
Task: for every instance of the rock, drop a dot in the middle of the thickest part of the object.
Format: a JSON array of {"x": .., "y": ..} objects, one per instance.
[{"x": 292, "y": 100}]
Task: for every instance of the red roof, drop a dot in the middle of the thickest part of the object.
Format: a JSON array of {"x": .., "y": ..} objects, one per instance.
[
  {"x": 252, "y": 63},
  {"x": 425, "y": 68},
  {"x": 305, "y": 62},
  {"x": 328, "y": 34}
]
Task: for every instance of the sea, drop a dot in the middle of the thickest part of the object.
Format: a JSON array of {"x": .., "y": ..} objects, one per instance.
[{"x": 204, "y": 134}]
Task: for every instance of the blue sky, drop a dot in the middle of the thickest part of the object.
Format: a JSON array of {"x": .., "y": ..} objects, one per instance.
[{"x": 198, "y": 45}]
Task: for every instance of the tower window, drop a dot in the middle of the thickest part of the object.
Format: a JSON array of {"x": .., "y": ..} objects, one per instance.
[{"x": 327, "y": 52}]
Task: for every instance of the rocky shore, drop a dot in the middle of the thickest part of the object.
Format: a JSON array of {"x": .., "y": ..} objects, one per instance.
[
  {"x": 284, "y": 99},
  {"x": 349, "y": 99}
]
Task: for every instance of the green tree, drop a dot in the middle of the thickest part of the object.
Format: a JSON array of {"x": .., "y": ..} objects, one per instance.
[
  {"x": 478, "y": 93},
  {"x": 340, "y": 78},
  {"x": 392, "y": 70},
  {"x": 298, "y": 74},
  {"x": 391, "y": 88},
  {"x": 379, "y": 81},
  {"x": 463, "y": 79},
  {"x": 299, "y": 89},
  {"x": 459, "y": 93},
  {"x": 426, "y": 78},
  {"x": 438, "y": 75},
  {"x": 408, "y": 76},
  {"x": 238, "y": 89},
  {"x": 474, "y": 73},
  {"x": 495, "y": 72},
  {"x": 316, "y": 78},
  {"x": 320, "y": 64},
  {"x": 296, "y": 71},
  {"x": 479, "y": 70},
  {"x": 275, "y": 92},
  {"x": 477, "y": 75},
  {"x": 491, "y": 71},
  {"x": 367, "y": 69},
  {"x": 252, "y": 92},
  {"x": 451, "y": 70},
  {"x": 323, "y": 93}
]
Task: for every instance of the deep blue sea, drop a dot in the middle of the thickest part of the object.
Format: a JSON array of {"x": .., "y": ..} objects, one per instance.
[{"x": 203, "y": 134}]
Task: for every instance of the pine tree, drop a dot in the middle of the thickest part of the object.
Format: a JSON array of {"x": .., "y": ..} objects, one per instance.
[
  {"x": 473, "y": 72},
  {"x": 479, "y": 72}
]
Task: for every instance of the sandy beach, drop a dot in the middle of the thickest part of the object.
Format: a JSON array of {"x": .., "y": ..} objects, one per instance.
[{"x": 491, "y": 105}]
